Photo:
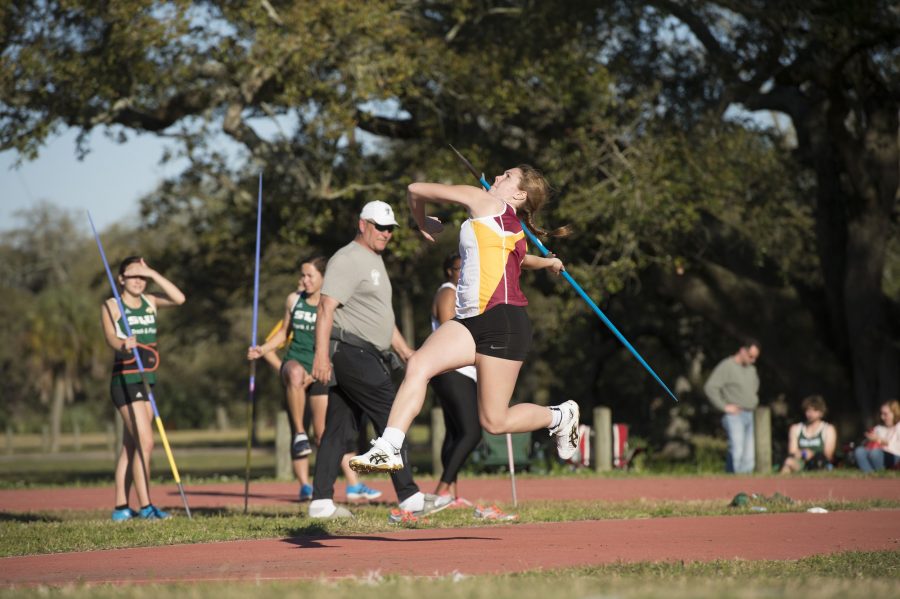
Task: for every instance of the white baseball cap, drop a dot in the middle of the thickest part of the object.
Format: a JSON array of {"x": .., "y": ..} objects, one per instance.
[{"x": 379, "y": 213}]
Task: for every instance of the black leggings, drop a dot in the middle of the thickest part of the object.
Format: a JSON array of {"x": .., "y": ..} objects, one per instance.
[{"x": 459, "y": 399}]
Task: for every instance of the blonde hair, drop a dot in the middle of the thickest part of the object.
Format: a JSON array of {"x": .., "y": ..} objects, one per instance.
[
  {"x": 537, "y": 191},
  {"x": 894, "y": 406}
]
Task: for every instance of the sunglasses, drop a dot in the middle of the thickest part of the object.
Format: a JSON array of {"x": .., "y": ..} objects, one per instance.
[{"x": 382, "y": 228}]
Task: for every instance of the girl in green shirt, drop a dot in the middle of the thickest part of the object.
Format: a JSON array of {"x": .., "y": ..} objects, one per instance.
[
  {"x": 299, "y": 324},
  {"x": 126, "y": 387}
]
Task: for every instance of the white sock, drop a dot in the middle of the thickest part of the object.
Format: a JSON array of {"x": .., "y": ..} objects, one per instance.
[
  {"x": 321, "y": 508},
  {"x": 413, "y": 503},
  {"x": 300, "y": 437},
  {"x": 394, "y": 436},
  {"x": 556, "y": 413}
]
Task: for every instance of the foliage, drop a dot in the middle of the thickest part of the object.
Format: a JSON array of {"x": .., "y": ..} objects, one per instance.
[
  {"x": 53, "y": 316},
  {"x": 831, "y": 68},
  {"x": 693, "y": 228}
]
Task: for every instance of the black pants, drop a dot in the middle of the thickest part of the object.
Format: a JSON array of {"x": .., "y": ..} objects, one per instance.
[
  {"x": 364, "y": 385},
  {"x": 459, "y": 400}
]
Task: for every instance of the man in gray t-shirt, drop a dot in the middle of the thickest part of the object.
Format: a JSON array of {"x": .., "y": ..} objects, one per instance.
[
  {"x": 357, "y": 280},
  {"x": 355, "y": 323},
  {"x": 733, "y": 388}
]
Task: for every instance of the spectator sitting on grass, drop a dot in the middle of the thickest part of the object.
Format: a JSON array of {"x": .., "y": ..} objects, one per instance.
[
  {"x": 811, "y": 443},
  {"x": 882, "y": 447}
]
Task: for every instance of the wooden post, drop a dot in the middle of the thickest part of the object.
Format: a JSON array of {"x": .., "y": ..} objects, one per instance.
[
  {"x": 9, "y": 439},
  {"x": 438, "y": 432},
  {"x": 222, "y": 418},
  {"x": 762, "y": 432},
  {"x": 45, "y": 439},
  {"x": 283, "y": 468},
  {"x": 602, "y": 439}
]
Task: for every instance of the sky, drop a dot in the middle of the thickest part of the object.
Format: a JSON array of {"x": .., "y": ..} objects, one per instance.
[{"x": 109, "y": 181}]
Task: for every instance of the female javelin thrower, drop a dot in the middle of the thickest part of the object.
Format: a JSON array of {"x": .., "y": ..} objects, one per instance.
[{"x": 491, "y": 328}]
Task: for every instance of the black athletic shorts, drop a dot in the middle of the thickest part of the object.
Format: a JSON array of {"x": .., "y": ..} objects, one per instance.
[
  {"x": 503, "y": 331},
  {"x": 126, "y": 393},
  {"x": 317, "y": 388}
]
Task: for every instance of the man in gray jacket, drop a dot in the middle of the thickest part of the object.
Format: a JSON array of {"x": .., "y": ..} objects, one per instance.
[{"x": 733, "y": 388}]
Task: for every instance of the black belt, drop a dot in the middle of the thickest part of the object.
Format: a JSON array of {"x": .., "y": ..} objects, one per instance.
[{"x": 387, "y": 357}]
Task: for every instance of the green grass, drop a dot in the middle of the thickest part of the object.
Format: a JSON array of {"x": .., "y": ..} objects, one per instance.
[
  {"x": 851, "y": 575},
  {"x": 53, "y": 532}
]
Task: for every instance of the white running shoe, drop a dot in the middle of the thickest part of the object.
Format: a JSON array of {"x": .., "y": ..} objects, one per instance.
[
  {"x": 567, "y": 432},
  {"x": 381, "y": 458},
  {"x": 324, "y": 509},
  {"x": 431, "y": 504},
  {"x": 434, "y": 504}
]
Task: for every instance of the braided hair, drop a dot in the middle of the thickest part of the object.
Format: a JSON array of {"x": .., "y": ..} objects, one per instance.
[{"x": 537, "y": 191}]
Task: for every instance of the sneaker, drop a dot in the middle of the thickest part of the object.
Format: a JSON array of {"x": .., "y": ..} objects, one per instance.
[
  {"x": 567, "y": 432},
  {"x": 405, "y": 517},
  {"x": 433, "y": 504},
  {"x": 306, "y": 492},
  {"x": 459, "y": 502},
  {"x": 300, "y": 448},
  {"x": 381, "y": 458},
  {"x": 361, "y": 491},
  {"x": 494, "y": 513},
  {"x": 125, "y": 513},
  {"x": 151, "y": 512},
  {"x": 339, "y": 512}
]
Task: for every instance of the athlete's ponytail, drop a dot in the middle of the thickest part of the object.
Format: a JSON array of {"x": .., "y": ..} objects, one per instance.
[{"x": 537, "y": 192}]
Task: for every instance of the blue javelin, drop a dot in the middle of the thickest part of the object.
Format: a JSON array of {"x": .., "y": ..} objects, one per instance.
[
  {"x": 252, "y": 389},
  {"x": 544, "y": 251}
]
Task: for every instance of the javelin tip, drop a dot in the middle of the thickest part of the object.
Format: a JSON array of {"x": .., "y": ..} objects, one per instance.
[{"x": 465, "y": 162}]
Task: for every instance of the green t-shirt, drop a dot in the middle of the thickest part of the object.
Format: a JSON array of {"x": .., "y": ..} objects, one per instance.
[
  {"x": 303, "y": 321},
  {"x": 142, "y": 321}
]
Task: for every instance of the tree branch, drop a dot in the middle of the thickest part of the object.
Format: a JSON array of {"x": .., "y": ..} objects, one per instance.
[
  {"x": 716, "y": 52},
  {"x": 393, "y": 128}
]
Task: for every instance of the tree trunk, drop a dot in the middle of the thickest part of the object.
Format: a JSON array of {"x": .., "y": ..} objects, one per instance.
[
  {"x": 856, "y": 189},
  {"x": 57, "y": 403},
  {"x": 407, "y": 317},
  {"x": 866, "y": 322}
]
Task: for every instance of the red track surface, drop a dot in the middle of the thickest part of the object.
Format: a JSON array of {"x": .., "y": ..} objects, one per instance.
[
  {"x": 477, "y": 550},
  {"x": 496, "y": 489},
  {"x": 472, "y": 550}
]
